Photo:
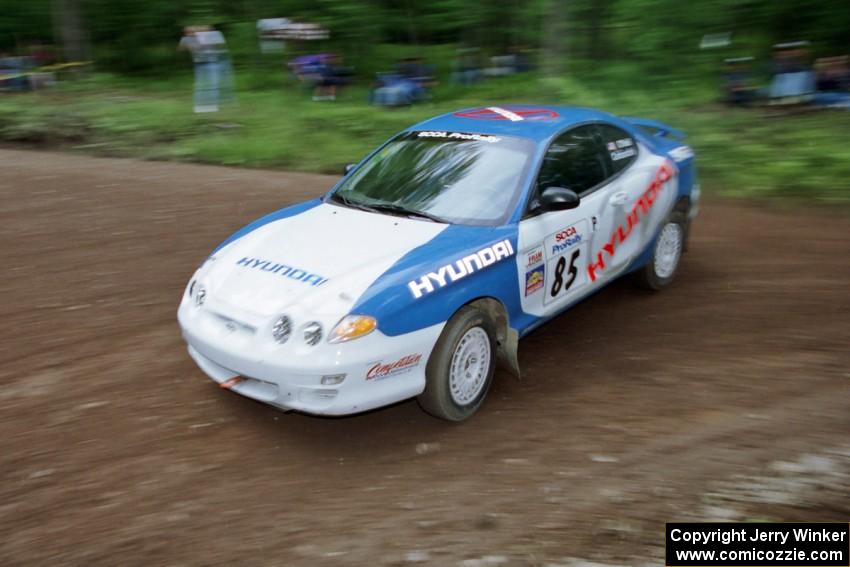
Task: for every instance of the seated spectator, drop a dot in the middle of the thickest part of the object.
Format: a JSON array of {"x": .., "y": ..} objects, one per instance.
[
  {"x": 793, "y": 78},
  {"x": 408, "y": 85},
  {"x": 391, "y": 89},
  {"x": 415, "y": 70},
  {"x": 14, "y": 73},
  {"x": 738, "y": 84},
  {"x": 465, "y": 67},
  {"x": 522, "y": 60},
  {"x": 501, "y": 66},
  {"x": 833, "y": 73}
]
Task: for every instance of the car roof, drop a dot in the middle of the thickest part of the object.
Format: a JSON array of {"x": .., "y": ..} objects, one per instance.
[{"x": 537, "y": 122}]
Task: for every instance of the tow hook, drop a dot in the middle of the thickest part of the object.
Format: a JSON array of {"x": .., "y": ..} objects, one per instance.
[{"x": 228, "y": 384}]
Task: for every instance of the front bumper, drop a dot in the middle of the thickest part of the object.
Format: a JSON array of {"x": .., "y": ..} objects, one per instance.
[{"x": 291, "y": 378}]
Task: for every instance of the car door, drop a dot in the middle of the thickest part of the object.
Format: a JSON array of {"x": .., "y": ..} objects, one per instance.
[
  {"x": 554, "y": 247},
  {"x": 625, "y": 225}
]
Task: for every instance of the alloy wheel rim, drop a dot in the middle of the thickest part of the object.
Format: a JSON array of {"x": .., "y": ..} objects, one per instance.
[
  {"x": 667, "y": 250},
  {"x": 469, "y": 366}
]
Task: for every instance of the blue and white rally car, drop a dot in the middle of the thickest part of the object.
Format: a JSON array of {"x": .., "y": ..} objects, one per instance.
[{"x": 433, "y": 256}]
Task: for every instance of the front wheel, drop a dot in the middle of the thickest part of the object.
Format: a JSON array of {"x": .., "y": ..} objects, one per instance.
[
  {"x": 661, "y": 268},
  {"x": 461, "y": 367}
]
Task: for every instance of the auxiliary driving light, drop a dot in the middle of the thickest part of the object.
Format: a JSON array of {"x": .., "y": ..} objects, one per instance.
[
  {"x": 312, "y": 333},
  {"x": 282, "y": 329}
]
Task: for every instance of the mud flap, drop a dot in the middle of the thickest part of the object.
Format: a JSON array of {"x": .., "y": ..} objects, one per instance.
[{"x": 508, "y": 352}]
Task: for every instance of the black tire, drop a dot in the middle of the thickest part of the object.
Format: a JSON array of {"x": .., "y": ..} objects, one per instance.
[
  {"x": 437, "y": 399},
  {"x": 649, "y": 277}
]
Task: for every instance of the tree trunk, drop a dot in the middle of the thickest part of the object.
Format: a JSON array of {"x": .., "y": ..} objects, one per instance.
[
  {"x": 412, "y": 26},
  {"x": 70, "y": 30},
  {"x": 554, "y": 37},
  {"x": 596, "y": 34}
]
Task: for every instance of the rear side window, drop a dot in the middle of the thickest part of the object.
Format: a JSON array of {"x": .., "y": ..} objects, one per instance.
[
  {"x": 575, "y": 160},
  {"x": 620, "y": 146}
]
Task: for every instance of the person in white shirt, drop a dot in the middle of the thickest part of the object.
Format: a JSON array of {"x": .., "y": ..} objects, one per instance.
[{"x": 213, "y": 75}]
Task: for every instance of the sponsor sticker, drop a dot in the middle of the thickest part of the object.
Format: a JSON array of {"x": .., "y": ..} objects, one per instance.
[
  {"x": 624, "y": 143},
  {"x": 381, "y": 370},
  {"x": 682, "y": 153},
  {"x": 461, "y": 268},
  {"x": 534, "y": 280},
  {"x": 565, "y": 239},
  {"x": 623, "y": 154},
  {"x": 612, "y": 146},
  {"x": 534, "y": 256},
  {"x": 458, "y": 136}
]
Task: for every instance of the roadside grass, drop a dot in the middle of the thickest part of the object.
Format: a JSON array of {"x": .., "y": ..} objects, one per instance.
[{"x": 757, "y": 152}]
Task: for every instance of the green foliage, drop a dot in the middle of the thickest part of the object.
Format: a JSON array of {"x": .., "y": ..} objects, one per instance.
[
  {"x": 22, "y": 22},
  {"x": 638, "y": 57},
  {"x": 743, "y": 152},
  {"x": 139, "y": 37}
]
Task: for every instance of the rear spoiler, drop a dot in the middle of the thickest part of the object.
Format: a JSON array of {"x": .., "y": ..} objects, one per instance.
[{"x": 657, "y": 128}]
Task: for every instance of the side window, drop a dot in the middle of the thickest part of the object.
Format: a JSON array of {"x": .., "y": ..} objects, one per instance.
[
  {"x": 621, "y": 147},
  {"x": 575, "y": 160}
]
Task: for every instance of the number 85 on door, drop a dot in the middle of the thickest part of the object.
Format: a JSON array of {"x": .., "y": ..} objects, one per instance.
[{"x": 566, "y": 272}]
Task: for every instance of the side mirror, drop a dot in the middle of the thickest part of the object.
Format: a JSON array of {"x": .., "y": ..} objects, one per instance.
[
  {"x": 348, "y": 167},
  {"x": 558, "y": 199}
]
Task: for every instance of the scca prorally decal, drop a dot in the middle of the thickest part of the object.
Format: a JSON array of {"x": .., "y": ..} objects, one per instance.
[
  {"x": 297, "y": 274},
  {"x": 461, "y": 268},
  {"x": 641, "y": 208},
  {"x": 459, "y": 136},
  {"x": 564, "y": 239},
  {"x": 380, "y": 370}
]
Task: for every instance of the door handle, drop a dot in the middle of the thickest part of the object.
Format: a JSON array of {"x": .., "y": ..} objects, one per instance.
[{"x": 618, "y": 199}]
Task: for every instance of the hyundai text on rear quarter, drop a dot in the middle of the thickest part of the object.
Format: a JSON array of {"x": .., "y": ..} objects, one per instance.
[{"x": 430, "y": 259}]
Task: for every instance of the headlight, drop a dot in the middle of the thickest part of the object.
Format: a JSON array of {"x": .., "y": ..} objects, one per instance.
[
  {"x": 352, "y": 327},
  {"x": 192, "y": 287},
  {"x": 282, "y": 329},
  {"x": 312, "y": 333}
]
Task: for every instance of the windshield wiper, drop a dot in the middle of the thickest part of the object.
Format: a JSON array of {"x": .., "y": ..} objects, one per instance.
[
  {"x": 339, "y": 198},
  {"x": 385, "y": 208},
  {"x": 399, "y": 210}
]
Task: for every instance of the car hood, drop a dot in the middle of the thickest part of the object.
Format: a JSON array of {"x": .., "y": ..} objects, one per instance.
[{"x": 322, "y": 259}]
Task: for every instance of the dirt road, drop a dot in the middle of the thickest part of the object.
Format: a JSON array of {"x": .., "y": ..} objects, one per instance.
[{"x": 725, "y": 397}]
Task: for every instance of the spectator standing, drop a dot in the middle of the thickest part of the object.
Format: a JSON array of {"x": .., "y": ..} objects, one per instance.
[{"x": 213, "y": 71}]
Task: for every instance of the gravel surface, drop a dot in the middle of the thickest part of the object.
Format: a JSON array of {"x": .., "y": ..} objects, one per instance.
[{"x": 725, "y": 396}]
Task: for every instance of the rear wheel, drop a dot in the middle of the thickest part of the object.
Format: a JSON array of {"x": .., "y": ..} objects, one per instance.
[
  {"x": 461, "y": 367},
  {"x": 661, "y": 268}
]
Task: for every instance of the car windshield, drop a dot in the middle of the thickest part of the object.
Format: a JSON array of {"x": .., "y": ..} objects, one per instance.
[{"x": 444, "y": 176}]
